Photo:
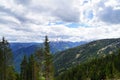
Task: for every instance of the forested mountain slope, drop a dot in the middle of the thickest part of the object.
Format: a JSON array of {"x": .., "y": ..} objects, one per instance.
[
  {"x": 83, "y": 53},
  {"x": 104, "y": 68}
]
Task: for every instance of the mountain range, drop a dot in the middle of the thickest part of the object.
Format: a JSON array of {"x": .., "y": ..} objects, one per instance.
[
  {"x": 68, "y": 54},
  {"x": 21, "y": 49}
]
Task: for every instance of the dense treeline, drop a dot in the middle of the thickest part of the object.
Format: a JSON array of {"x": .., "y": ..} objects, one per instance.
[
  {"x": 29, "y": 69},
  {"x": 106, "y": 68},
  {"x": 39, "y": 66}
]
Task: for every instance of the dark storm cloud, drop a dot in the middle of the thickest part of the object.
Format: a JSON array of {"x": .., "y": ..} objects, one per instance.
[{"x": 110, "y": 15}]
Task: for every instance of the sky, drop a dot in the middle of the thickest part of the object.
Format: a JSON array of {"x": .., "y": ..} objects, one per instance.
[{"x": 60, "y": 20}]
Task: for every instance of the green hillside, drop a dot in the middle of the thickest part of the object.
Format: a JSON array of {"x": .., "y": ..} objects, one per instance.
[
  {"x": 107, "y": 68},
  {"x": 86, "y": 52}
]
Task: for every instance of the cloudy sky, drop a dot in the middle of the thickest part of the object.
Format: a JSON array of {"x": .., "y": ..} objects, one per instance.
[{"x": 66, "y": 20}]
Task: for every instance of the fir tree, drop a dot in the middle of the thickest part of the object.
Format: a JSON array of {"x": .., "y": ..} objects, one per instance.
[
  {"x": 24, "y": 69},
  {"x": 39, "y": 57},
  {"x": 48, "y": 61},
  {"x": 11, "y": 74},
  {"x": 32, "y": 69},
  {"x": 5, "y": 59}
]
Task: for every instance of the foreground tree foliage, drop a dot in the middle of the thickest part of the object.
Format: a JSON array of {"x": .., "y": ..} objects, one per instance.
[
  {"x": 49, "y": 73},
  {"x": 39, "y": 66},
  {"x": 6, "y": 65},
  {"x": 107, "y": 68},
  {"x": 24, "y": 69}
]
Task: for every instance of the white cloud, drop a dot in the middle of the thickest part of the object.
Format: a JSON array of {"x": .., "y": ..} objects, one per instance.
[{"x": 31, "y": 20}]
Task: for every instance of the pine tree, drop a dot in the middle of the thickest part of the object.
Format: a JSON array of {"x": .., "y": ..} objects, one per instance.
[
  {"x": 24, "y": 69},
  {"x": 39, "y": 57},
  {"x": 18, "y": 76},
  {"x": 32, "y": 69},
  {"x": 48, "y": 61},
  {"x": 5, "y": 58},
  {"x": 11, "y": 73}
]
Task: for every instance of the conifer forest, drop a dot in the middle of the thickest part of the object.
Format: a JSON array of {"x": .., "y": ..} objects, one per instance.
[{"x": 41, "y": 66}]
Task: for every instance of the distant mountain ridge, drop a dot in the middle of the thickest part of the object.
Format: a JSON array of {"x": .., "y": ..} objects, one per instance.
[
  {"x": 85, "y": 52},
  {"x": 21, "y": 49},
  {"x": 54, "y": 46}
]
